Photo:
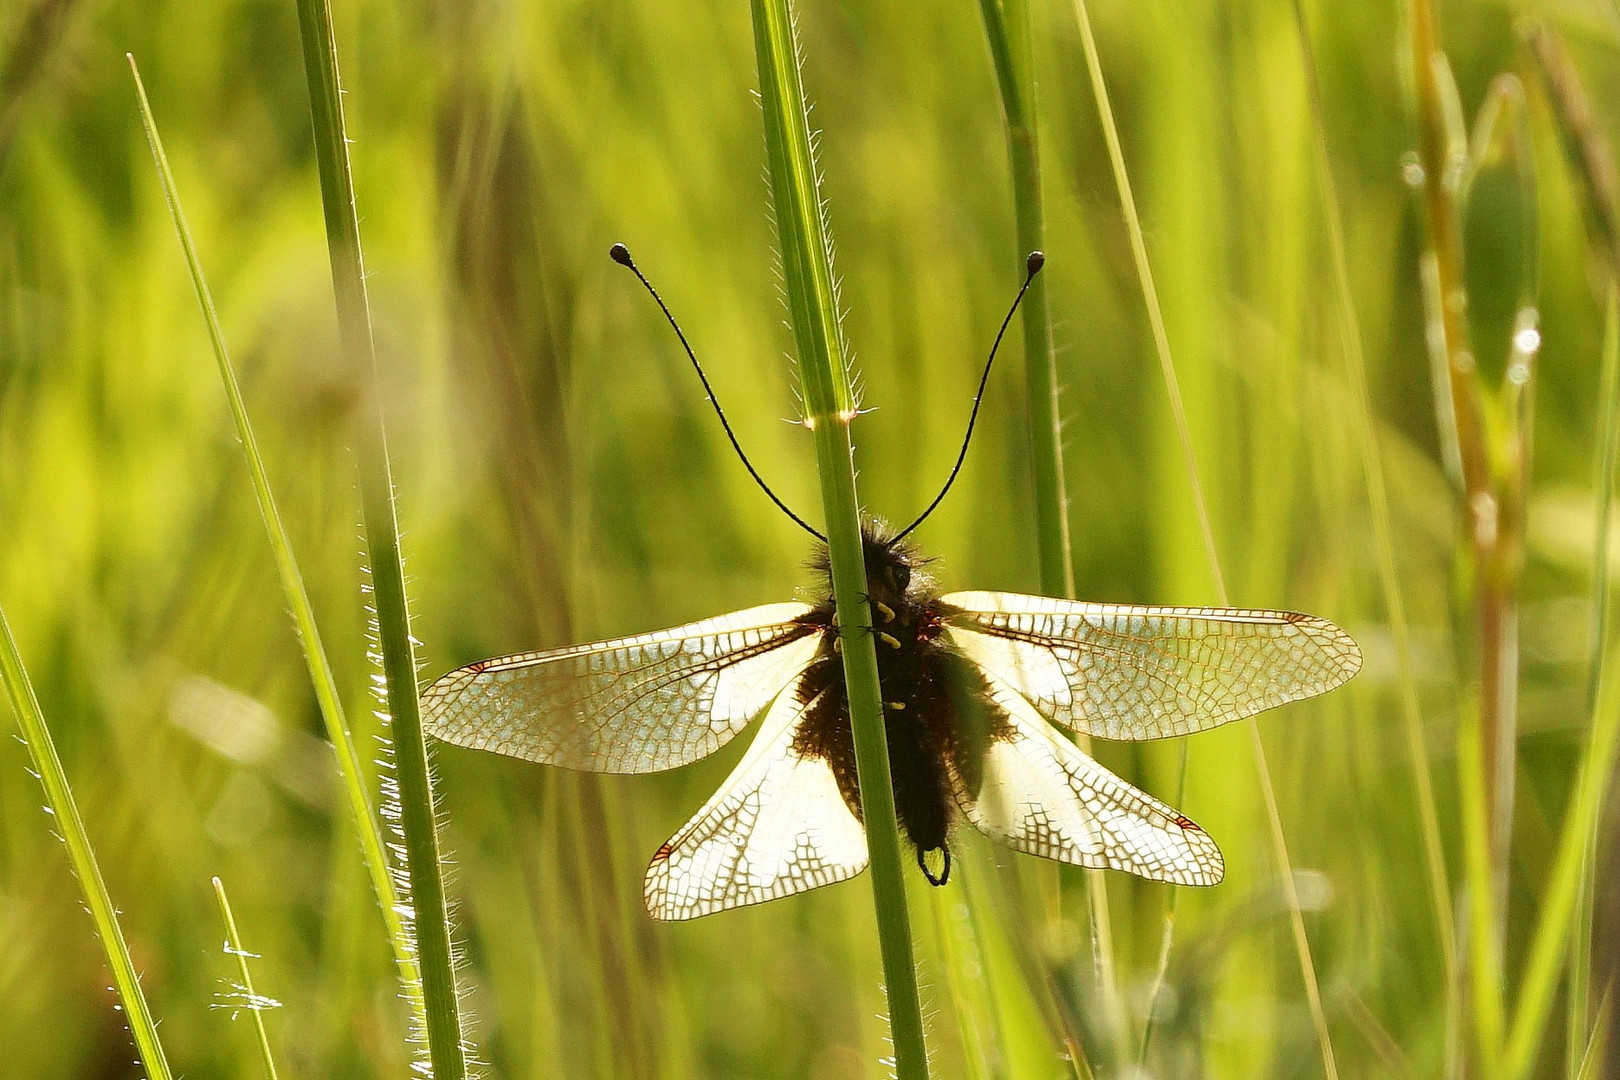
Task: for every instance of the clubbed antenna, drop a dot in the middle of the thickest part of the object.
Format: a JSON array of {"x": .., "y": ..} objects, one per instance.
[
  {"x": 1032, "y": 266},
  {"x": 621, "y": 255}
]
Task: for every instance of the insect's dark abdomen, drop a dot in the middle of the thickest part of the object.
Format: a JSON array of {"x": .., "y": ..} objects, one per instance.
[
  {"x": 938, "y": 722},
  {"x": 916, "y": 764},
  {"x": 937, "y": 709}
]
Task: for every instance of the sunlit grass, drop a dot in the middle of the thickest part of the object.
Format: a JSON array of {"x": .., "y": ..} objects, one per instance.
[{"x": 560, "y": 480}]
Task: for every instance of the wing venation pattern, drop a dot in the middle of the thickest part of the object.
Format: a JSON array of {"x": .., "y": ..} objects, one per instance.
[
  {"x": 1126, "y": 672},
  {"x": 631, "y": 705},
  {"x": 1042, "y": 796},
  {"x": 777, "y": 826}
]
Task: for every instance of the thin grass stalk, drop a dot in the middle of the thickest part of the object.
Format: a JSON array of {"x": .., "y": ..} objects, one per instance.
[
  {"x": 1538, "y": 986},
  {"x": 1008, "y": 899},
  {"x": 1590, "y": 153},
  {"x": 1161, "y": 342},
  {"x": 443, "y": 1033},
  {"x": 955, "y": 937},
  {"x": 1372, "y": 468},
  {"x": 1597, "y": 1044},
  {"x": 1008, "y": 32},
  {"x": 251, "y": 1000},
  {"x": 1487, "y": 735},
  {"x": 1580, "y": 939},
  {"x": 321, "y": 678},
  {"x": 60, "y": 805},
  {"x": 829, "y": 404},
  {"x": 1007, "y": 28}
]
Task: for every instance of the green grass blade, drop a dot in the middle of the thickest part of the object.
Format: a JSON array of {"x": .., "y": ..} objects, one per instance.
[
  {"x": 1007, "y": 29},
  {"x": 1539, "y": 985},
  {"x": 829, "y": 409},
  {"x": 1597, "y": 1044},
  {"x": 416, "y": 815},
  {"x": 1569, "y": 884},
  {"x": 1161, "y": 342},
  {"x": 1484, "y": 755},
  {"x": 60, "y": 804},
  {"x": 292, "y": 584},
  {"x": 1580, "y": 942},
  {"x": 1372, "y": 468},
  {"x": 253, "y": 1002}
]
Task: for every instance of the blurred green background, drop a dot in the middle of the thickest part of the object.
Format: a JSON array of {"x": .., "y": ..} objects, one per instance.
[{"x": 561, "y": 479}]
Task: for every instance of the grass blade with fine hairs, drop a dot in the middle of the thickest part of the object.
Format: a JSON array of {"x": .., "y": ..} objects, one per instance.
[
  {"x": 62, "y": 808},
  {"x": 418, "y": 827},
  {"x": 829, "y": 409},
  {"x": 292, "y": 585},
  {"x": 1372, "y": 467},
  {"x": 249, "y": 999},
  {"x": 1008, "y": 31},
  {"x": 1161, "y": 342}
]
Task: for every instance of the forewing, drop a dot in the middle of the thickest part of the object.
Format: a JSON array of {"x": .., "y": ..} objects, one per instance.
[
  {"x": 1042, "y": 796},
  {"x": 777, "y": 826},
  {"x": 631, "y": 705},
  {"x": 1125, "y": 672}
]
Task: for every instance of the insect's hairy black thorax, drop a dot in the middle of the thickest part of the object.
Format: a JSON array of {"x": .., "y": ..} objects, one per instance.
[{"x": 938, "y": 714}]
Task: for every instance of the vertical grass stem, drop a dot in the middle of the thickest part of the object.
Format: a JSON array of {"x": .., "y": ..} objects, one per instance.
[
  {"x": 1009, "y": 33},
  {"x": 416, "y": 818},
  {"x": 1492, "y": 541},
  {"x": 829, "y": 410}
]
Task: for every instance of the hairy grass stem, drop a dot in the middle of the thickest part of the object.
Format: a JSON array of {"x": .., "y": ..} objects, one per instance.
[
  {"x": 321, "y": 678},
  {"x": 830, "y": 408},
  {"x": 429, "y": 917},
  {"x": 59, "y": 804},
  {"x": 254, "y": 1004}
]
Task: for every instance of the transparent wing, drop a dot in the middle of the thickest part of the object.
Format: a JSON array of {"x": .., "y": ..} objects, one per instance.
[
  {"x": 1124, "y": 672},
  {"x": 631, "y": 705},
  {"x": 777, "y": 826},
  {"x": 1042, "y": 796}
]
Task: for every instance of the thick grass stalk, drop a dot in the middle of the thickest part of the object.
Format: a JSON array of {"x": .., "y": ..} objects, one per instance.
[
  {"x": 1008, "y": 32},
  {"x": 829, "y": 409},
  {"x": 418, "y": 827},
  {"x": 251, "y": 1000},
  {"x": 60, "y": 805},
  {"x": 1372, "y": 468},
  {"x": 1491, "y": 494},
  {"x": 350, "y": 772},
  {"x": 1178, "y": 411}
]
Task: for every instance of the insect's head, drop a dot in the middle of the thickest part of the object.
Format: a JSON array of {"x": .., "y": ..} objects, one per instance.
[{"x": 890, "y": 564}]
